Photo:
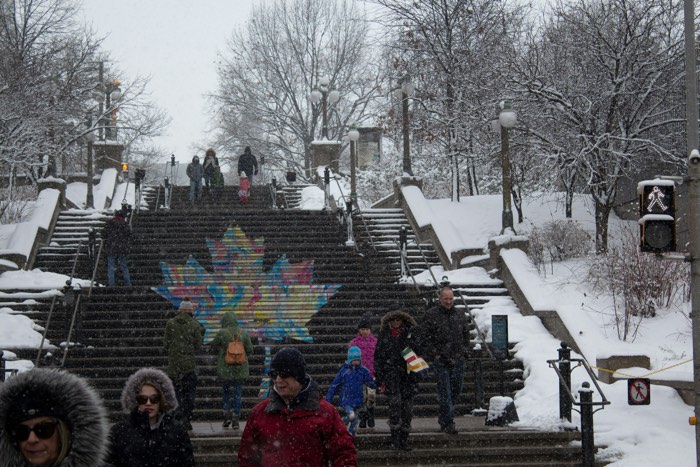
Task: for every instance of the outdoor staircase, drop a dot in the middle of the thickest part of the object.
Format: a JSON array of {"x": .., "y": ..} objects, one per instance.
[
  {"x": 122, "y": 328},
  {"x": 381, "y": 229}
]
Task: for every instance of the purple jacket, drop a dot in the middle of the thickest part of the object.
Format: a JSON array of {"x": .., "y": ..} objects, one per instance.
[{"x": 367, "y": 346}]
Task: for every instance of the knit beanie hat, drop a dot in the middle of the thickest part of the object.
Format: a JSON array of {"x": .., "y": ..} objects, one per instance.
[
  {"x": 364, "y": 322},
  {"x": 290, "y": 360},
  {"x": 354, "y": 353},
  {"x": 186, "y": 306}
]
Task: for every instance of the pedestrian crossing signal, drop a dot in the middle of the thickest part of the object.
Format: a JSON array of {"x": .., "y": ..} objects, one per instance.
[{"x": 657, "y": 216}]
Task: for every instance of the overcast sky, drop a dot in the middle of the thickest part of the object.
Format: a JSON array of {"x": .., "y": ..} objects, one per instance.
[{"x": 175, "y": 42}]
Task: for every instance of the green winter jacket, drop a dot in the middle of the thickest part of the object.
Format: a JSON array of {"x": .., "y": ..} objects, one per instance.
[
  {"x": 183, "y": 335},
  {"x": 219, "y": 344}
]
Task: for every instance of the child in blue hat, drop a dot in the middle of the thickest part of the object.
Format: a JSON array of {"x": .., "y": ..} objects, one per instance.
[{"x": 350, "y": 382}]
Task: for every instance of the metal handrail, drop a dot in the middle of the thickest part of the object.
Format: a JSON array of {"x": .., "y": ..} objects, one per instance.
[
  {"x": 53, "y": 303},
  {"x": 94, "y": 267},
  {"x": 46, "y": 330},
  {"x": 70, "y": 329},
  {"x": 160, "y": 185},
  {"x": 587, "y": 367},
  {"x": 479, "y": 332},
  {"x": 359, "y": 211}
]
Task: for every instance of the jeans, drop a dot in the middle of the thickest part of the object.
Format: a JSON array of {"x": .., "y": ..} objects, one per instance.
[
  {"x": 110, "y": 270},
  {"x": 195, "y": 190},
  {"x": 232, "y": 396},
  {"x": 450, "y": 379},
  {"x": 186, "y": 392},
  {"x": 352, "y": 424}
]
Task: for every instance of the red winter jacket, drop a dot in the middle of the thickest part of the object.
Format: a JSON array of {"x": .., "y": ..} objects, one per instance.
[{"x": 309, "y": 434}]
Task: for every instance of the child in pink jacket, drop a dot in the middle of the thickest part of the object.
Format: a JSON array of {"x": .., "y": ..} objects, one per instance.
[{"x": 366, "y": 341}]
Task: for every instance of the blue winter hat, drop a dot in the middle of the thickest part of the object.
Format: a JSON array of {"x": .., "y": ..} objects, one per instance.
[{"x": 354, "y": 353}]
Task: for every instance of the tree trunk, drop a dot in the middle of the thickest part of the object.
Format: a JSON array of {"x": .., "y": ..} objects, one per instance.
[{"x": 602, "y": 214}]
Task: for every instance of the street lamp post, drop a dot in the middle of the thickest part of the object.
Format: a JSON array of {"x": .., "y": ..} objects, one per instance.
[
  {"x": 89, "y": 138},
  {"x": 403, "y": 93},
  {"x": 322, "y": 93},
  {"x": 108, "y": 94},
  {"x": 353, "y": 136},
  {"x": 507, "y": 119}
]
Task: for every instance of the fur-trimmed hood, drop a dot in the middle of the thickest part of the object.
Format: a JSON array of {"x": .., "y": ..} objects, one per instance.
[
  {"x": 84, "y": 411},
  {"x": 155, "y": 378},
  {"x": 407, "y": 319}
]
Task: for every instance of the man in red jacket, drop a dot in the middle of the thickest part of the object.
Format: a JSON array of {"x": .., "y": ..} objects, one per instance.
[{"x": 295, "y": 426}]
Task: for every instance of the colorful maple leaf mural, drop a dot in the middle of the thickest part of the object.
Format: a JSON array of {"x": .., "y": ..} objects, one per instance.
[
  {"x": 275, "y": 304},
  {"x": 269, "y": 305}
]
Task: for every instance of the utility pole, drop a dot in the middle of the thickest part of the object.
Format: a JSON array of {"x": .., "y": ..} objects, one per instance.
[{"x": 691, "y": 106}]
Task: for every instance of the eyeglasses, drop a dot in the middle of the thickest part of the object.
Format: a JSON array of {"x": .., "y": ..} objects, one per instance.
[
  {"x": 282, "y": 374},
  {"x": 43, "y": 430},
  {"x": 155, "y": 398}
]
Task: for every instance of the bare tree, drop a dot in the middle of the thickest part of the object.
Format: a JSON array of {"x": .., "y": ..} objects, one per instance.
[
  {"x": 608, "y": 76},
  {"x": 453, "y": 50},
  {"x": 271, "y": 66},
  {"x": 48, "y": 81}
]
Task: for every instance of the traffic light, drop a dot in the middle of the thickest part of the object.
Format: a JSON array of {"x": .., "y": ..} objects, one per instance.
[{"x": 657, "y": 216}]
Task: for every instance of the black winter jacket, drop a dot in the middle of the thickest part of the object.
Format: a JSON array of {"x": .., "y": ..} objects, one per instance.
[
  {"x": 117, "y": 236},
  {"x": 389, "y": 364},
  {"x": 247, "y": 163},
  {"x": 134, "y": 444},
  {"x": 445, "y": 335}
]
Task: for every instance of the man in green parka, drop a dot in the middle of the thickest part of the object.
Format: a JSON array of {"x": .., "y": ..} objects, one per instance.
[
  {"x": 231, "y": 377},
  {"x": 183, "y": 337}
]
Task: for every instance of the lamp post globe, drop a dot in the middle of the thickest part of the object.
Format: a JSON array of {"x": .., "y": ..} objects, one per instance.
[{"x": 323, "y": 94}]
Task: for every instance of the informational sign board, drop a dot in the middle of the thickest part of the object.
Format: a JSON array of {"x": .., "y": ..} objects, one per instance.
[
  {"x": 499, "y": 335},
  {"x": 638, "y": 391}
]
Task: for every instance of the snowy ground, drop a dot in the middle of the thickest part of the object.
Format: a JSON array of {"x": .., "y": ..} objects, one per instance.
[{"x": 657, "y": 434}]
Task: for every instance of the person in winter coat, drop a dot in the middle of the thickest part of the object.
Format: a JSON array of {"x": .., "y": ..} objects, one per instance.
[
  {"x": 53, "y": 418},
  {"x": 247, "y": 163},
  {"x": 210, "y": 164},
  {"x": 351, "y": 380},
  {"x": 231, "y": 377},
  {"x": 183, "y": 337},
  {"x": 367, "y": 343},
  {"x": 446, "y": 343},
  {"x": 195, "y": 172},
  {"x": 396, "y": 333},
  {"x": 295, "y": 426},
  {"x": 149, "y": 436},
  {"x": 117, "y": 238}
]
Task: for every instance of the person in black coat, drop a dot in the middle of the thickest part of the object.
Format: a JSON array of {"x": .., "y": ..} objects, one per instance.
[
  {"x": 51, "y": 417},
  {"x": 446, "y": 344},
  {"x": 117, "y": 238},
  {"x": 210, "y": 166},
  {"x": 395, "y": 334},
  {"x": 149, "y": 436},
  {"x": 247, "y": 163}
]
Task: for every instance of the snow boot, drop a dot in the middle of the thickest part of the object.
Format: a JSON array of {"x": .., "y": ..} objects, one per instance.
[
  {"x": 363, "y": 418},
  {"x": 404, "y": 443},
  {"x": 235, "y": 424},
  {"x": 227, "y": 419},
  {"x": 370, "y": 417},
  {"x": 395, "y": 439}
]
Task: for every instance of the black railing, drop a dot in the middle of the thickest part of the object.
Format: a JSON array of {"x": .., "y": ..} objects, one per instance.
[{"x": 562, "y": 366}]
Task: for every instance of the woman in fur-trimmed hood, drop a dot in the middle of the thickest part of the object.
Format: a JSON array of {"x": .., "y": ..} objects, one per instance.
[
  {"x": 396, "y": 333},
  {"x": 67, "y": 419},
  {"x": 149, "y": 436}
]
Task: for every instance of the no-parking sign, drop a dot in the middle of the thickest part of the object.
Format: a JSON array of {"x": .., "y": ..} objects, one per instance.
[{"x": 638, "y": 391}]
